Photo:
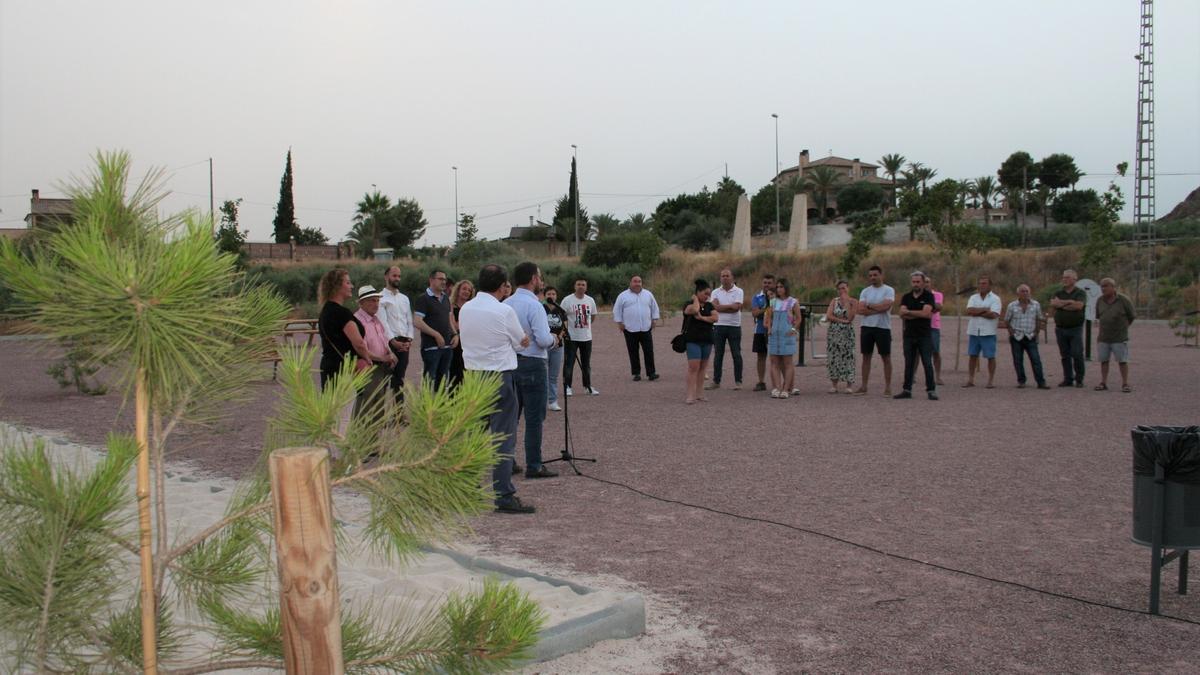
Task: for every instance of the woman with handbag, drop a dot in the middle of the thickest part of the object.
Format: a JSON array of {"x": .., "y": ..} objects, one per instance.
[
  {"x": 698, "y": 319},
  {"x": 341, "y": 333}
]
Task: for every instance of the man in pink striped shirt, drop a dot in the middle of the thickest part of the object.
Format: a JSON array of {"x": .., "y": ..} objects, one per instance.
[
  {"x": 935, "y": 325},
  {"x": 376, "y": 337}
]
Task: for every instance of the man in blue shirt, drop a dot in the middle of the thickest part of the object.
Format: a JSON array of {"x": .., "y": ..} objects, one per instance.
[
  {"x": 758, "y": 306},
  {"x": 531, "y": 363}
]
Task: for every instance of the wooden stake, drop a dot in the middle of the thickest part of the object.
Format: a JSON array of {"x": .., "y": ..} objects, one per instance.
[
  {"x": 308, "y": 583},
  {"x": 145, "y": 537}
]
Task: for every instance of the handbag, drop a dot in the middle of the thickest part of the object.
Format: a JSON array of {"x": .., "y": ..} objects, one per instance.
[{"x": 679, "y": 342}]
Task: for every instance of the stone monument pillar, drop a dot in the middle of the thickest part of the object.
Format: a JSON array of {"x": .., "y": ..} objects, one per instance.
[
  {"x": 798, "y": 234},
  {"x": 741, "y": 227}
]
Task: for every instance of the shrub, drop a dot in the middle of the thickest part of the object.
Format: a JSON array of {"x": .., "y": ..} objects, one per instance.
[
  {"x": 612, "y": 250},
  {"x": 699, "y": 237}
]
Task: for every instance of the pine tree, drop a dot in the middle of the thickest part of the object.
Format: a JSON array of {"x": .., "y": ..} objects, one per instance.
[{"x": 285, "y": 211}]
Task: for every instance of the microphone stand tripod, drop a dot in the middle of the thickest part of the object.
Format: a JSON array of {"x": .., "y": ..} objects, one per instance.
[{"x": 566, "y": 451}]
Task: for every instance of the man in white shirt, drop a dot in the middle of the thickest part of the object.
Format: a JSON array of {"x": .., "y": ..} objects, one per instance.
[
  {"x": 581, "y": 311},
  {"x": 727, "y": 301},
  {"x": 875, "y": 307},
  {"x": 984, "y": 309},
  {"x": 636, "y": 312},
  {"x": 491, "y": 334},
  {"x": 397, "y": 317}
]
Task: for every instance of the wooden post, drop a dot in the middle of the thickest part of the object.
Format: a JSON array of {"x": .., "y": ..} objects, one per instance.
[{"x": 308, "y": 584}]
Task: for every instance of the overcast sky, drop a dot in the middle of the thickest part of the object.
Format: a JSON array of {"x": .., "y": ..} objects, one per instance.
[{"x": 658, "y": 96}]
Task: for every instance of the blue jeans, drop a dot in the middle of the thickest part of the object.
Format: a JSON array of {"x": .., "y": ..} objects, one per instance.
[
  {"x": 1019, "y": 349},
  {"x": 437, "y": 364},
  {"x": 554, "y": 360},
  {"x": 531, "y": 392},
  {"x": 733, "y": 335},
  {"x": 1070, "y": 348}
]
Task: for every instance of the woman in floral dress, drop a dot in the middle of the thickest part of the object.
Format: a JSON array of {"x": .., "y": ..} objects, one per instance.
[{"x": 840, "y": 338}]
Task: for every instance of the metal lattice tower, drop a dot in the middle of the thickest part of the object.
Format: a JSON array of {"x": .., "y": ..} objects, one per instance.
[{"x": 1143, "y": 186}]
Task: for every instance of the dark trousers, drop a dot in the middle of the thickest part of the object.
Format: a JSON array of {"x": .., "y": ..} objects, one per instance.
[
  {"x": 584, "y": 350},
  {"x": 1019, "y": 349},
  {"x": 437, "y": 364},
  {"x": 1070, "y": 348},
  {"x": 645, "y": 341},
  {"x": 398, "y": 372},
  {"x": 919, "y": 346},
  {"x": 503, "y": 422},
  {"x": 732, "y": 335},
  {"x": 370, "y": 398}
]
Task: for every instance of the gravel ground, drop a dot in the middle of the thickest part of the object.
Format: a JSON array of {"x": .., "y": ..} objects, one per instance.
[{"x": 1026, "y": 486}]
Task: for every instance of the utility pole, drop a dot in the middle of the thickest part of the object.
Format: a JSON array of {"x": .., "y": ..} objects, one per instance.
[
  {"x": 776, "y": 174},
  {"x": 1024, "y": 201},
  {"x": 212, "y": 212},
  {"x": 1143, "y": 171},
  {"x": 455, "y": 168}
]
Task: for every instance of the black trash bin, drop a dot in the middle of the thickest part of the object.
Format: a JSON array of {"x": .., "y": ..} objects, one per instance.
[{"x": 1177, "y": 451}]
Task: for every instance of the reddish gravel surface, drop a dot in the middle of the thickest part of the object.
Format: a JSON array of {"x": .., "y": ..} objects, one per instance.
[{"x": 1027, "y": 486}]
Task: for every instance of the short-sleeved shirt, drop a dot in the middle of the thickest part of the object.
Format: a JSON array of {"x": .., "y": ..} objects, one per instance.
[
  {"x": 759, "y": 301},
  {"x": 874, "y": 296},
  {"x": 1114, "y": 319},
  {"x": 436, "y": 314},
  {"x": 916, "y": 327},
  {"x": 1070, "y": 318},
  {"x": 580, "y": 313},
  {"x": 728, "y": 297},
  {"x": 981, "y": 325},
  {"x": 936, "y": 321},
  {"x": 695, "y": 330},
  {"x": 332, "y": 327}
]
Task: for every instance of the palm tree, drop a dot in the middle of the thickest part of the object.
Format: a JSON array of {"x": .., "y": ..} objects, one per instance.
[
  {"x": 985, "y": 189},
  {"x": 891, "y": 166},
  {"x": 822, "y": 180},
  {"x": 369, "y": 214},
  {"x": 926, "y": 174},
  {"x": 965, "y": 192}
]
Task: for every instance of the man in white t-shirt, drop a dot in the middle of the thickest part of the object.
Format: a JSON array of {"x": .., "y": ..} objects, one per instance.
[
  {"x": 984, "y": 309},
  {"x": 727, "y": 301},
  {"x": 636, "y": 313},
  {"x": 581, "y": 312},
  {"x": 875, "y": 307}
]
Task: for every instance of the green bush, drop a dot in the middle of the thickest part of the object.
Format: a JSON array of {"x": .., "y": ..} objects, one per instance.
[
  {"x": 613, "y": 250},
  {"x": 699, "y": 237}
]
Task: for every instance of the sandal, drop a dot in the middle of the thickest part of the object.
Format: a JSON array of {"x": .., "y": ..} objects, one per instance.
[
  {"x": 1126, "y": 389},
  {"x": 834, "y": 390},
  {"x": 1100, "y": 387}
]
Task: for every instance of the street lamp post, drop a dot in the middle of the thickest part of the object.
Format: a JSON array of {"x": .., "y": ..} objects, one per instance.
[
  {"x": 575, "y": 162},
  {"x": 776, "y": 179},
  {"x": 455, "y": 168}
]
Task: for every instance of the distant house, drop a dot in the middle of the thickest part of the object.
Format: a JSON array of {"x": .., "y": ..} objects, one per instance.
[
  {"x": 852, "y": 170},
  {"x": 534, "y": 231},
  {"x": 45, "y": 212}
]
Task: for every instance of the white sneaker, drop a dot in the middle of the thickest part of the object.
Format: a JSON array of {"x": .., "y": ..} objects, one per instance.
[
  {"x": 555, "y": 407},
  {"x": 593, "y": 391},
  {"x": 774, "y": 393},
  {"x": 567, "y": 390}
]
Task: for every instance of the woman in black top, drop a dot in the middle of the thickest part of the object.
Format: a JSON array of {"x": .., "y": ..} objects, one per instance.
[
  {"x": 341, "y": 333},
  {"x": 698, "y": 320},
  {"x": 462, "y": 293}
]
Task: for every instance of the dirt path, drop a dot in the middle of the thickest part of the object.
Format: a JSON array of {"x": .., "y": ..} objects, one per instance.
[{"x": 1027, "y": 486}]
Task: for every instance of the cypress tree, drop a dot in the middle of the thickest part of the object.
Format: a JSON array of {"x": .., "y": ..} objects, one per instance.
[{"x": 285, "y": 211}]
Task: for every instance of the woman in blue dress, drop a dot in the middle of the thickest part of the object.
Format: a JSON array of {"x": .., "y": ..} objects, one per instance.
[{"x": 781, "y": 323}]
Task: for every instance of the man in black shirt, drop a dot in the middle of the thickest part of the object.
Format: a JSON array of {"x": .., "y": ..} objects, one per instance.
[
  {"x": 916, "y": 310},
  {"x": 431, "y": 316}
]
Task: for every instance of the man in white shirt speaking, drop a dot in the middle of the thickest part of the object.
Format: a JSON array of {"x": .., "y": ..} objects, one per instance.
[
  {"x": 727, "y": 300},
  {"x": 635, "y": 312},
  {"x": 397, "y": 318},
  {"x": 984, "y": 309},
  {"x": 491, "y": 334}
]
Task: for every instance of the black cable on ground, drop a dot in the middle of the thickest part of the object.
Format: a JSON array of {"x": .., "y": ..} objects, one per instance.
[{"x": 894, "y": 556}]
